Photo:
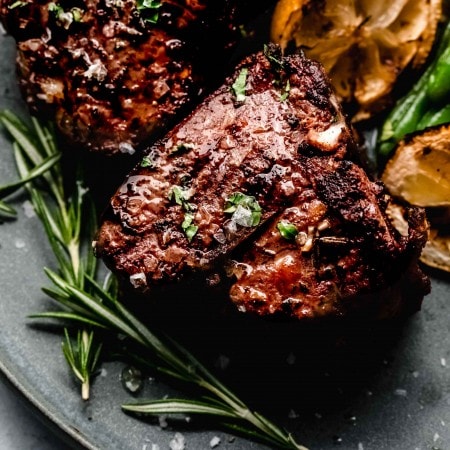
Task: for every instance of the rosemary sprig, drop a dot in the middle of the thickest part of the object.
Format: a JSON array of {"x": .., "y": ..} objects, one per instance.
[
  {"x": 82, "y": 357},
  {"x": 90, "y": 304},
  {"x": 37, "y": 160}
]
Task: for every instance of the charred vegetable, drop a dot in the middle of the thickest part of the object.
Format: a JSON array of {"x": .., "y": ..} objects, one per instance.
[
  {"x": 419, "y": 173},
  {"x": 425, "y": 105}
]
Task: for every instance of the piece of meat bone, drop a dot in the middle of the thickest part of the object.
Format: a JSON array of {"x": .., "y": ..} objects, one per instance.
[
  {"x": 109, "y": 79},
  {"x": 267, "y": 143}
]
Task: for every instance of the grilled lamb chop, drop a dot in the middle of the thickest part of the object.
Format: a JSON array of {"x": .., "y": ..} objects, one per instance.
[
  {"x": 261, "y": 179},
  {"x": 109, "y": 78}
]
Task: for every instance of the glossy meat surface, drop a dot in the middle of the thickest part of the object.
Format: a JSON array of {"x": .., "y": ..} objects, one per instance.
[
  {"x": 274, "y": 136},
  {"x": 110, "y": 79}
]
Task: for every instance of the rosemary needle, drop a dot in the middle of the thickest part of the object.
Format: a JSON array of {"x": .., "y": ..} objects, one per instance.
[{"x": 91, "y": 304}]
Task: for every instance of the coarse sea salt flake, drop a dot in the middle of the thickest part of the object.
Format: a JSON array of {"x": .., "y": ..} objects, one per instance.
[
  {"x": 360, "y": 446},
  {"x": 214, "y": 442},
  {"x": 28, "y": 209},
  {"x": 138, "y": 280},
  {"x": 19, "y": 243},
  {"x": 436, "y": 437},
  {"x": 178, "y": 442},
  {"x": 443, "y": 362},
  {"x": 401, "y": 392},
  {"x": 162, "y": 421},
  {"x": 125, "y": 147}
]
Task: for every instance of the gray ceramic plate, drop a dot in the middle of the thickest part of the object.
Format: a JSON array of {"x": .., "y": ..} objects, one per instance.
[{"x": 385, "y": 387}]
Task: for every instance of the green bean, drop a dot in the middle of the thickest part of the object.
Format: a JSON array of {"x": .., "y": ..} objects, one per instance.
[
  {"x": 438, "y": 86},
  {"x": 435, "y": 116},
  {"x": 409, "y": 112}
]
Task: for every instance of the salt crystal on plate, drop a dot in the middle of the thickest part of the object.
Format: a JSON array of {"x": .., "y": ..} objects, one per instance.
[
  {"x": 28, "y": 209},
  {"x": 215, "y": 441},
  {"x": 178, "y": 442},
  {"x": 19, "y": 243},
  {"x": 162, "y": 421},
  {"x": 443, "y": 362},
  {"x": 401, "y": 392}
]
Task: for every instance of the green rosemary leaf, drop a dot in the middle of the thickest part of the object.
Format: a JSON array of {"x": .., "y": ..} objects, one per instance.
[
  {"x": 82, "y": 357},
  {"x": 178, "y": 406},
  {"x": 22, "y": 138},
  {"x": 149, "y": 10},
  {"x": 32, "y": 174},
  {"x": 72, "y": 317},
  {"x": 6, "y": 211}
]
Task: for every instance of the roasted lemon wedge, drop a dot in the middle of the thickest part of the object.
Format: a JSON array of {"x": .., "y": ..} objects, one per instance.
[
  {"x": 419, "y": 171},
  {"x": 363, "y": 44}
]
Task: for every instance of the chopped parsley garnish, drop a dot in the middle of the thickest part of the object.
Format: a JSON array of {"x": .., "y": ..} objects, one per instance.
[
  {"x": 190, "y": 230},
  {"x": 285, "y": 91},
  {"x": 17, "y": 4},
  {"x": 65, "y": 19},
  {"x": 239, "y": 85},
  {"x": 149, "y": 10},
  {"x": 147, "y": 161},
  {"x": 245, "y": 209},
  {"x": 180, "y": 196},
  {"x": 287, "y": 230}
]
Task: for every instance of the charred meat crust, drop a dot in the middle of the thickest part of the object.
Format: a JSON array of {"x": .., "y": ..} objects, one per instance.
[
  {"x": 109, "y": 79},
  {"x": 292, "y": 156}
]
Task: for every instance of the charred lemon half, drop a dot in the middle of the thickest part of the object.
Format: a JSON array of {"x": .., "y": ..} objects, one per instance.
[{"x": 363, "y": 44}]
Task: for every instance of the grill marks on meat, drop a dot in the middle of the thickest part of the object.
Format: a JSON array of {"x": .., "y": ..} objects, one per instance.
[
  {"x": 109, "y": 79},
  {"x": 294, "y": 157}
]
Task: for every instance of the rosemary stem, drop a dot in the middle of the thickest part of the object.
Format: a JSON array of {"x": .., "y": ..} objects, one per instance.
[{"x": 85, "y": 389}]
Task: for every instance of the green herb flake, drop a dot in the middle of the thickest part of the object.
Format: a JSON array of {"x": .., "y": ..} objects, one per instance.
[
  {"x": 18, "y": 4},
  {"x": 245, "y": 209},
  {"x": 181, "y": 196},
  {"x": 149, "y": 10},
  {"x": 77, "y": 14},
  {"x": 189, "y": 228},
  {"x": 147, "y": 161},
  {"x": 178, "y": 195},
  {"x": 285, "y": 91},
  {"x": 239, "y": 85},
  {"x": 287, "y": 230},
  {"x": 65, "y": 19},
  {"x": 55, "y": 9}
]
